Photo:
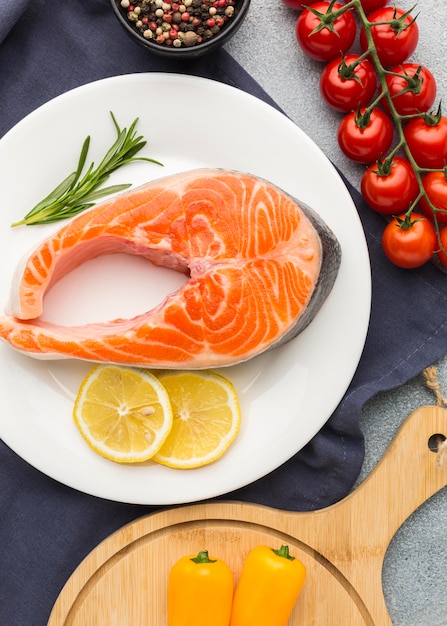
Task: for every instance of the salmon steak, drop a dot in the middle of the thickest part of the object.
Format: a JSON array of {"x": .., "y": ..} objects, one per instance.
[{"x": 259, "y": 266}]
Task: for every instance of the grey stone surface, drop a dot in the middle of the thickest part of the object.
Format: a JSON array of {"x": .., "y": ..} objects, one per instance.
[{"x": 415, "y": 567}]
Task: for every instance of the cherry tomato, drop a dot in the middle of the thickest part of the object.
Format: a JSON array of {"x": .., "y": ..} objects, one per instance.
[
  {"x": 409, "y": 242},
  {"x": 346, "y": 82},
  {"x": 372, "y": 5},
  {"x": 395, "y": 40},
  {"x": 363, "y": 140},
  {"x": 390, "y": 187},
  {"x": 323, "y": 36},
  {"x": 297, "y": 5},
  {"x": 427, "y": 140},
  {"x": 435, "y": 185},
  {"x": 442, "y": 252},
  {"x": 412, "y": 88}
]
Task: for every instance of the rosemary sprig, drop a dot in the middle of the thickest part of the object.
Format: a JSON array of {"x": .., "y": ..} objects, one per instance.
[{"x": 78, "y": 191}]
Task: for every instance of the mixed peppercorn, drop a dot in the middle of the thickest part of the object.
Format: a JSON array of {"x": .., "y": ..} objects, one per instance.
[{"x": 179, "y": 23}]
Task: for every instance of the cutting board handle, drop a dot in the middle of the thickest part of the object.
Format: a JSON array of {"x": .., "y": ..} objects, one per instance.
[
  {"x": 355, "y": 533},
  {"x": 410, "y": 472},
  {"x": 412, "y": 469}
]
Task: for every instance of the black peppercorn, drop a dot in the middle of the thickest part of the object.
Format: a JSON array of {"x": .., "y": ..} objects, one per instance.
[{"x": 178, "y": 22}]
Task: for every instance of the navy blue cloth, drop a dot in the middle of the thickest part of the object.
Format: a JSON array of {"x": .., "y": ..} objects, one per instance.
[{"x": 46, "y": 528}]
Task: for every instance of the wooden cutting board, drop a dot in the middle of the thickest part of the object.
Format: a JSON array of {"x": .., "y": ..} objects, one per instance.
[{"x": 123, "y": 581}]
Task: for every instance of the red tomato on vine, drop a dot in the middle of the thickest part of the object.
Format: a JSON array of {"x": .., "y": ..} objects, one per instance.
[
  {"x": 364, "y": 136},
  {"x": 347, "y": 82},
  {"x": 372, "y": 5},
  {"x": 412, "y": 88},
  {"x": 395, "y": 34},
  {"x": 435, "y": 185},
  {"x": 426, "y": 138},
  {"x": 389, "y": 187},
  {"x": 322, "y": 34},
  {"x": 409, "y": 241},
  {"x": 297, "y": 5},
  {"x": 442, "y": 252}
]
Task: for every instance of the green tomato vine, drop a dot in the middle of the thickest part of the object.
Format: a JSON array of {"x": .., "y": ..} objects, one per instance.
[{"x": 398, "y": 24}]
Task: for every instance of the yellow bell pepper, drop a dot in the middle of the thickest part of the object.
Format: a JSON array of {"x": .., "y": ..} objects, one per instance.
[
  {"x": 268, "y": 588},
  {"x": 200, "y": 592}
]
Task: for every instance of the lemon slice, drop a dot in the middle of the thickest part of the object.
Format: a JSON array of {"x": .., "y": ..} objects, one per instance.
[
  {"x": 124, "y": 414},
  {"x": 207, "y": 418}
]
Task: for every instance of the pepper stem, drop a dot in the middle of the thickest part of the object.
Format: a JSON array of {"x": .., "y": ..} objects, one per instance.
[
  {"x": 203, "y": 557},
  {"x": 284, "y": 552}
]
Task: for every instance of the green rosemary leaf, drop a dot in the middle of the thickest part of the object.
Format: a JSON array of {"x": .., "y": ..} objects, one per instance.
[
  {"x": 82, "y": 158},
  {"x": 117, "y": 128},
  {"x": 114, "y": 152},
  {"x": 79, "y": 191},
  {"x": 54, "y": 195},
  {"x": 64, "y": 213},
  {"x": 106, "y": 191}
]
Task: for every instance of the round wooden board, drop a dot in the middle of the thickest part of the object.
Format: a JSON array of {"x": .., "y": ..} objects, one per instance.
[{"x": 126, "y": 582}]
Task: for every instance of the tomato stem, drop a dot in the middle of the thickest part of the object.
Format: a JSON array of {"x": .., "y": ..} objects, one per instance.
[
  {"x": 399, "y": 21},
  {"x": 326, "y": 19},
  {"x": 413, "y": 84}
]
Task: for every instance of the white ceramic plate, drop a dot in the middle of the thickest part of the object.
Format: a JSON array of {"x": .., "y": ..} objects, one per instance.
[{"x": 286, "y": 395}]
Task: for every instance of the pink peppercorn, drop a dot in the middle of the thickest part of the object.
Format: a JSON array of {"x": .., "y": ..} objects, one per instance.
[{"x": 179, "y": 23}]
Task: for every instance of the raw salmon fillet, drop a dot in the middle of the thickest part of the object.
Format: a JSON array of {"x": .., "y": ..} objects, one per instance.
[{"x": 259, "y": 265}]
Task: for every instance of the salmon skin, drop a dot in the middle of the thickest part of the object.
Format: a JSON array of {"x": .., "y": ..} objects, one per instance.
[{"x": 260, "y": 265}]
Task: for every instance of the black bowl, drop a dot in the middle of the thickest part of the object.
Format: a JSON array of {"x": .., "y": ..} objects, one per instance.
[{"x": 186, "y": 49}]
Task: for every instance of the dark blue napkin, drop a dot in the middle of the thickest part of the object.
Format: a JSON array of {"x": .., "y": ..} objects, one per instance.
[{"x": 46, "y": 529}]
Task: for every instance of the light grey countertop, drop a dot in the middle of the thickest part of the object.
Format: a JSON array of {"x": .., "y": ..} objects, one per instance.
[{"x": 415, "y": 567}]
